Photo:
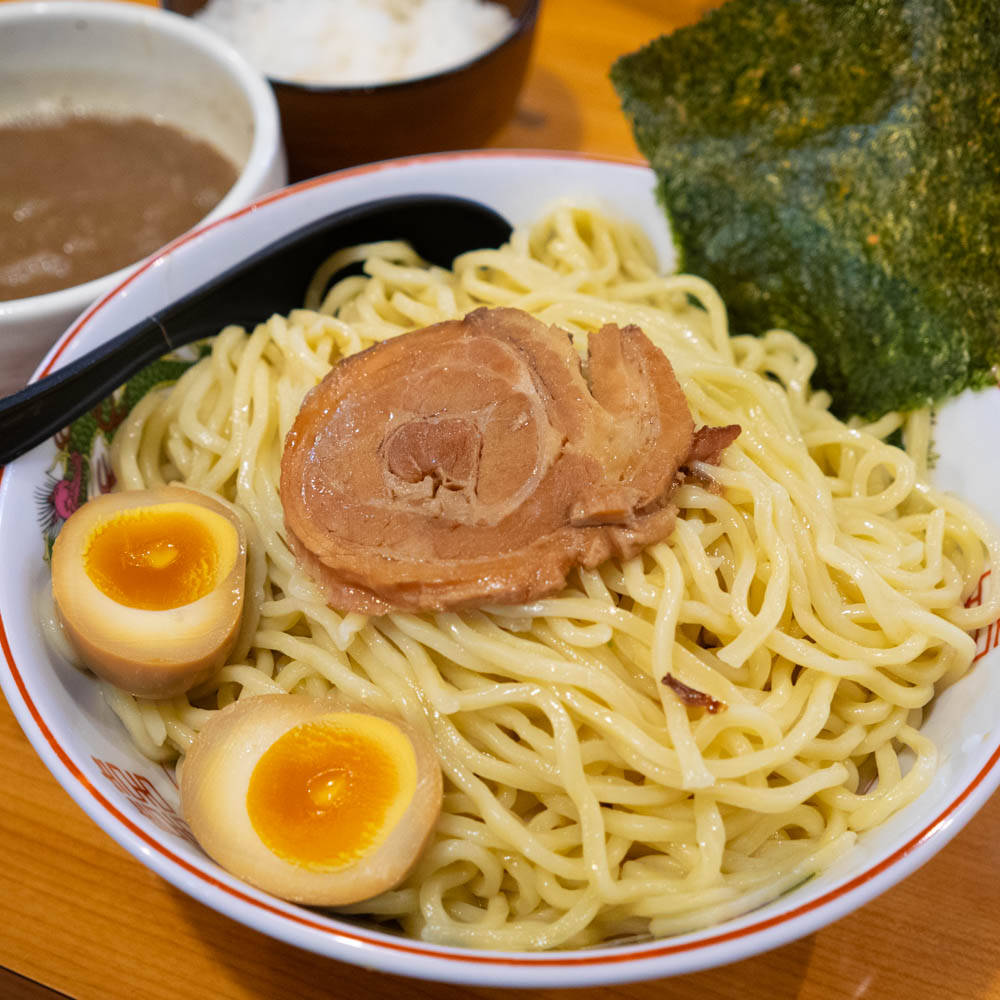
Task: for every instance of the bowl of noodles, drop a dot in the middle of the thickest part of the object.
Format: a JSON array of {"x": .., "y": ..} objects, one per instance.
[{"x": 824, "y": 608}]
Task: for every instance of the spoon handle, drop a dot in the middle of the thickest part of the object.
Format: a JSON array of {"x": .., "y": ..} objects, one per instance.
[
  {"x": 44, "y": 407},
  {"x": 273, "y": 279},
  {"x": 41, "y": 409}
]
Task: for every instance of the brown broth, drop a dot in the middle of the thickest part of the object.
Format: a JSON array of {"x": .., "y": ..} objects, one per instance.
[{"x": 84, "y": 196}]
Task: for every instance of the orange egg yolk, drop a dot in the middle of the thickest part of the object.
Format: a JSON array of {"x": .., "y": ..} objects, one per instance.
[
  {"x": 327, "y": 792},
  {"x": 156, "y": 558}
]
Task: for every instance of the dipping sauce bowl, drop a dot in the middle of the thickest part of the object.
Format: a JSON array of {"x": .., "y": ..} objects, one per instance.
[{"x": 123, "y": 61}]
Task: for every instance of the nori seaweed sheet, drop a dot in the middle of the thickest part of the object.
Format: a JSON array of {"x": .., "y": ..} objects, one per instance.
[{"x": 834, "y": 169}]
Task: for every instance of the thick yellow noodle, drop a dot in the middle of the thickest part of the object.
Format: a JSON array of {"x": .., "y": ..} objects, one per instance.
[{"x": 818, "y": 595}]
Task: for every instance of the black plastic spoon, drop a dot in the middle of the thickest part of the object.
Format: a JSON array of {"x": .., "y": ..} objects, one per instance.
[{"x": 273, "y": 280}]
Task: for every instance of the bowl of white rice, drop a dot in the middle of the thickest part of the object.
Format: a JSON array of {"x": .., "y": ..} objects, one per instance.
[{"x": 365, "y": 80}]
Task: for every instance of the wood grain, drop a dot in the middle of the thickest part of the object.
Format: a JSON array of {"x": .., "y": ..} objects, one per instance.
[{"x": 81, "y": 917}]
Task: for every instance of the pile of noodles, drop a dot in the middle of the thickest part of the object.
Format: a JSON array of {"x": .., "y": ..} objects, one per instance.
[{"x": 818, "y": 596}]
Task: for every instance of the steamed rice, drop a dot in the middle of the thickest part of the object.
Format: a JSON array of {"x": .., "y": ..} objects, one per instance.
[{"x": 357, "y": 42}]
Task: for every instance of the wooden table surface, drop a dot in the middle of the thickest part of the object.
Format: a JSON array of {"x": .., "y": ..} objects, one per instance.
[{"x": 79, "y": 917}]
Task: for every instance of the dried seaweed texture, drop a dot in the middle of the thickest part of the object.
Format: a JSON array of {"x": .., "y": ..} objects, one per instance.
[
  {"x": 473, "y": 462},
  {"x": 834, "y": 169}
]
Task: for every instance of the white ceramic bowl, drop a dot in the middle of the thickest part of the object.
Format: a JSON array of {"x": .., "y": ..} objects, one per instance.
[
  {"x": 124, "y": 59},
  {"x": 136, "y": 802}
]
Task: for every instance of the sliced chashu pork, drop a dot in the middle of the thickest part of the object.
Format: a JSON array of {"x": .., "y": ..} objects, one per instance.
[{"x": 473, "y": 463}]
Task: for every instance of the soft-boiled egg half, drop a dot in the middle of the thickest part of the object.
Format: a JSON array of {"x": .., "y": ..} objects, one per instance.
[
  {"x": 149, "y": 587},
  {"x": 316, "y": 800}
]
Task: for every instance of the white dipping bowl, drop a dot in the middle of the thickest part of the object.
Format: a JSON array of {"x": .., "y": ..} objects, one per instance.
[
  {"x": 123, "y": 59},
  {"x": 136, "y": 802}
]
